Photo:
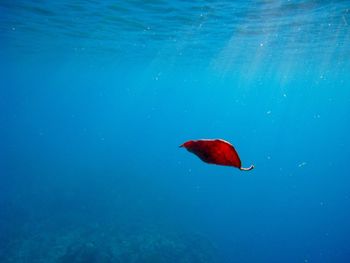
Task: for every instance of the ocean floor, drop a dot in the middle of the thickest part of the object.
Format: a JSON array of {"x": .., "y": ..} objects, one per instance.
[{"x": 45, "y": 242}]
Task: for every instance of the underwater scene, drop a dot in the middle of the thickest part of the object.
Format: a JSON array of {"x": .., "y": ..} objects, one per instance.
[{"x": 129, "y": 131}]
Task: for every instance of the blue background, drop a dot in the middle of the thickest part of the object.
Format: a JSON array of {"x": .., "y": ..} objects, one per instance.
[{"x": 95, "y": 99}]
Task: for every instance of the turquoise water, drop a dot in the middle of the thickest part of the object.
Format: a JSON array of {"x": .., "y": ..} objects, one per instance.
[{"x": 96, "y": 98}]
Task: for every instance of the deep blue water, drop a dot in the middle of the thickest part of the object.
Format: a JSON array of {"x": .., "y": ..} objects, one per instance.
[{"x": 96, "y": 97}]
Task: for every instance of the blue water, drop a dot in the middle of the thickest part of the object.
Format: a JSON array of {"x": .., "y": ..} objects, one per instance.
[{"x": 96, "y": 97}]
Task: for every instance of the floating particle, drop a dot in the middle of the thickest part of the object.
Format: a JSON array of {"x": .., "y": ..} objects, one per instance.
[{"x": 302, "y": 164}]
